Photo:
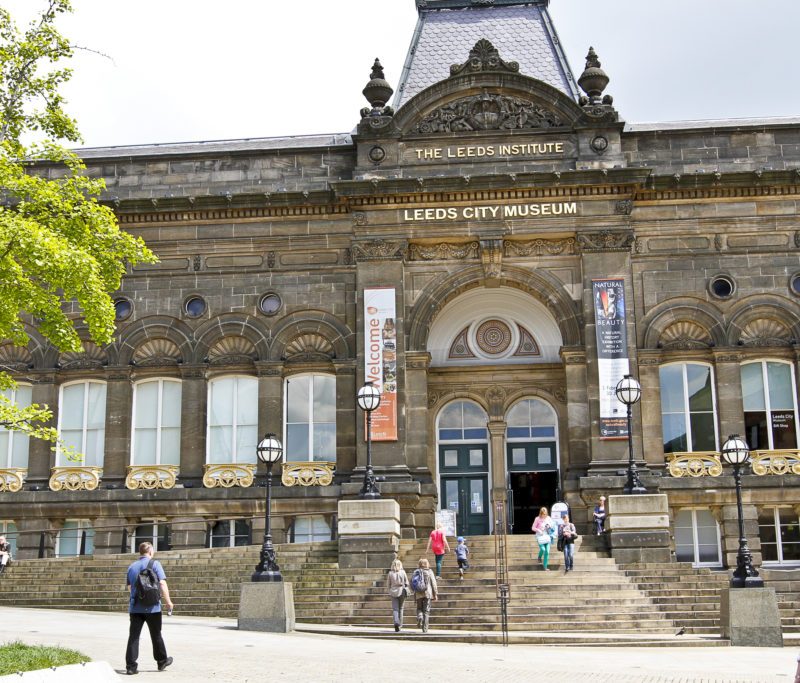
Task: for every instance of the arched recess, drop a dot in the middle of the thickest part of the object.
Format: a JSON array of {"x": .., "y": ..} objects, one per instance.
[
  {"x": 243, "y": 326},
  {"x": 312, "y": 325},
  {"x": 566, "y": 111},
  {"x": 764, "y": 320},
  {"x": 155, "y": 327},
  {"x": 698, "y": 321},
  {"x": 91, "y": 356},
  {"x": 38, "y": 353},
  {"x": 541, "y": 286},
  {"x": 493, "y": 326}
]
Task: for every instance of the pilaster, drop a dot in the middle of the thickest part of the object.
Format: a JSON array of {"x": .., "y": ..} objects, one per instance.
[
  {"x": 40, "y": 455},
  {"x": 193, "y": 422},
  {"x": 346, "y": 416},
  {"x": 728, "y": 378},
  {"x": 578, "y": 419},
  {"x": 417, "y": 454},
  {"x": 497, "y": 448},
  {"x": 652, "y": 430},
  {"x": 119, "y": 397}
]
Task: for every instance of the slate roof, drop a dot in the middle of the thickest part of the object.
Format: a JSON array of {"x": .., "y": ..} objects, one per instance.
[{"x": 523, "y": 34}]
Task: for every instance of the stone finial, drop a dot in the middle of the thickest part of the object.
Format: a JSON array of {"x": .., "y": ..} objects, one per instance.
[
  {"x": 593, "y": 80},
  {"x": 377, "y": 91}
]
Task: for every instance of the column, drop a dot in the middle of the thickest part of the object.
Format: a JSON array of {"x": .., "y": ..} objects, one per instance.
[
  {"x": 119, "y": 397},
  {"x": 497, "y": 448},
  {"x": 578, "y": 420},
  {"x": 347, "y": 413},
  {"x": 40, "y": 456},
  {"x": 270, "y": 403},
  {"x": 604, "y": 255},
  {"x": 108, "y": 532},
  {"x": 417, "y": 453},
  {"x": 730, "y": 408},
  {"x": 652, "y": 436},
  {"x": 194, "y": 394}
]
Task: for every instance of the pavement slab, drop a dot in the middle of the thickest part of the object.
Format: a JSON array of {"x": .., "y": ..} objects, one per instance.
[{"x": 214, "y": 649}]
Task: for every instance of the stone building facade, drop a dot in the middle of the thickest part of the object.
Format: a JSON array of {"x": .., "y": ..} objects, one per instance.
[{"x": 500, "y": 218}]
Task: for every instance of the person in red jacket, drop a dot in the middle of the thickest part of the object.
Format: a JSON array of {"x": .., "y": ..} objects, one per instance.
[{"x": 437, "y": 542}]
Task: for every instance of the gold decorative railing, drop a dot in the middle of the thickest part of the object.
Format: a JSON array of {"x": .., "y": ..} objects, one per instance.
[
  {"x": 696, "y": 464},
  {"x": 308, "y": 473},
  {"x": 75, "y": 478},
  {"x": 12, "y": 479},
  {"x": 229, "y": 475},
  {"x": 151, "y": 476},
  {"x": 775, "y": 462}
]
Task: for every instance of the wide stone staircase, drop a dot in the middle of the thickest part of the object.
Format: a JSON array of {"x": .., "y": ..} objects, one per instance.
[{"x": 596, "y": 602}]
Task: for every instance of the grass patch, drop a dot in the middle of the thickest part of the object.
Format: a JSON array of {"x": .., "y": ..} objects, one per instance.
[{"x": 17, "y": 656}]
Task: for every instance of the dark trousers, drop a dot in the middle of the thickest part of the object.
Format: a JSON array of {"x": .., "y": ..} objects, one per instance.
[{"x": 153, "y": 622}]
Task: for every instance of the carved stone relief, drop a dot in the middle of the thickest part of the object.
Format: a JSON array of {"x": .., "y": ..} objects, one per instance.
[
  {"x": 606, "y": 240},
  {"x": 540, "y": 247},
  {"x": 379, "y": 250},
  {"x": 443, "y": 251}
]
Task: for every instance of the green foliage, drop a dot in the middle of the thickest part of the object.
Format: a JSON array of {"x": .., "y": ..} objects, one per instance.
[
  {"x": 17, "y": 656},
  {"x": 62, "y": 253}
]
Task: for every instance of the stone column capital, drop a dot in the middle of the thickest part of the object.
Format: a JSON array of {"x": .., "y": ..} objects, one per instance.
[
  {"x": 118, "y": 373},
  {"x": 573, "y": 355},
  {"x": 727, "y": 356},
  {"x": 418, "y": 360},
  {"x": 193, "y": 371},
  {"x": 269, "y": 368}
]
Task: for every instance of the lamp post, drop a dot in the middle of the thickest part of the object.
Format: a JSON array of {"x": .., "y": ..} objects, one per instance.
[
  {"x": 629, "y": 391},
  {"x": 269, "y": 451},
  {"x": 735, "y": 452},
  {"x": 369, "y": 398}
]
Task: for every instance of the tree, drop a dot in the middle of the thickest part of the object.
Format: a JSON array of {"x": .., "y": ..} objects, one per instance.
[{"x": 60, "y": 249}]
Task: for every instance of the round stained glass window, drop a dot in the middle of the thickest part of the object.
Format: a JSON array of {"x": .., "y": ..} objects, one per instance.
[
  {"x": 722, "y": 286},
  {"x": 195, "y": 306},
  {"x": 122, "y": 309},
  {"x": 270, "y": 304}
]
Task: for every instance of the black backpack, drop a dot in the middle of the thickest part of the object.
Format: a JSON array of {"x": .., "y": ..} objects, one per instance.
[{"x": 148, "y": 588}]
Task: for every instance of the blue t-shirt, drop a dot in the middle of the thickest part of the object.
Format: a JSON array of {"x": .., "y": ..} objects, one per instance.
[
  {"x": 133, "y": 573},
  {"x": 461, "y": 551}
]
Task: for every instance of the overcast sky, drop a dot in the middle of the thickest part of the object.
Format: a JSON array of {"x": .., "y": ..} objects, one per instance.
[{"x": 184, "y": 70}]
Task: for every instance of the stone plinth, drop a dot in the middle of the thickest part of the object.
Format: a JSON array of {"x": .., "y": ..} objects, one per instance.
[
  {"x": 638, "y": 528},
  {"x": 266, "y": 606},
  {"x": 750, "y": 617},
  {"x": 369, "y": 532}
]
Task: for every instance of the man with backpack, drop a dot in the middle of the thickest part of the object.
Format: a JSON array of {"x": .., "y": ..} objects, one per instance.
[
  {"x": 147, "y": 583},
  {"x": 423, "y": 583}
]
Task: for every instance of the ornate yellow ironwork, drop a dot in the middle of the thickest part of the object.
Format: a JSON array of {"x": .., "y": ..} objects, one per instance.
[
  {"x": 776, "y": 462},
  {"x": 308, "y": 473},
  {"x": 75, "y": 478},
  {"x": 697, "y": 464},
  {"x": 12, "y": 479},
  {"x": 228, "y": 476},
  {"x": 151, "y": 476}
]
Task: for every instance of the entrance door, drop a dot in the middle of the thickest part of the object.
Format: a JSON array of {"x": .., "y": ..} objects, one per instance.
[
  {"x": 464, "y": 478},
  {"x": 533, "y": 480}
]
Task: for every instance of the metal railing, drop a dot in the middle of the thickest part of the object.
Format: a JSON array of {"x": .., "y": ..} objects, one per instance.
[{"x": 502, "y": 582}]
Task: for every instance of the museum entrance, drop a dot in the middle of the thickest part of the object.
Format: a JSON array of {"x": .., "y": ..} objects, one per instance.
[
  {"x": 528, "y": 492},
  {"x": 464, "y": 479}
]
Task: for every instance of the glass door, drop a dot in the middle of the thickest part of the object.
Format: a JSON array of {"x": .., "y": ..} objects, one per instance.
[
  {"x": 465, "y": 486},
  {"x": 697, "y": 538}
]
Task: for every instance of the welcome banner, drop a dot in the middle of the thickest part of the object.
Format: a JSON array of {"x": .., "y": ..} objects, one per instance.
[
  {"x": 612, "y": 354},
  {"x": 380, "y": 358}
]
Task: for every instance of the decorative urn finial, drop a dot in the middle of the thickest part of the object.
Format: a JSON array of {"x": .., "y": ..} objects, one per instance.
[
  {"x": 378, "y": 91},
  {"x": 593, "y": 80}
]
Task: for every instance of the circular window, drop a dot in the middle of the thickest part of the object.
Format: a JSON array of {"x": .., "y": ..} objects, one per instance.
[
  {"x": 722, "y": 286},
  {"x": 270, "y": 304},
  {"x": 122, "y": 309},
  {"x": 794, "y": 284},
  {"x": 195, "y": 306}
]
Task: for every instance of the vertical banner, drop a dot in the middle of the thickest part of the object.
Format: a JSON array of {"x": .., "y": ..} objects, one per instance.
[
  {"x": 380, "y": 358},
  {"x": 612, "y": 354}
]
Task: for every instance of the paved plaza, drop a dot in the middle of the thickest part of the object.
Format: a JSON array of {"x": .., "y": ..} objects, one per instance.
[{"x": 213, "y": 649}]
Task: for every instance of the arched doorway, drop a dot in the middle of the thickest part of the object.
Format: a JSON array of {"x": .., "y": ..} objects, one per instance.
[
  {"x": 532, "y": 460},
  {"x": 463, "y": 464}
]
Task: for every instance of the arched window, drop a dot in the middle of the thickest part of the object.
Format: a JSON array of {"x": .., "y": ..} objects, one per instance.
[
  {"x": 463, "y": 421},
  {"x": 14, "y": 445},
  {"x": 82, "y": 422},
  {"x": 531, "y": 428},
  {"x": 770, "y": 405},
  {"x": 310, "y": 418},
  {"x": 232, "y": 420},
  {"x": 156, "y": 422},
  {"x": 688, "y": 408},
  {"x": 68, "y": 541}
]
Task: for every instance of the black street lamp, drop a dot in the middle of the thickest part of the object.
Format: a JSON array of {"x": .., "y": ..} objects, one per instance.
[
  {"x": 269, "y": 451},
  {"x": 629, "y": 391},
  {"x": 735, "y": 452},
  {"x": 369, "y": 398}
]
